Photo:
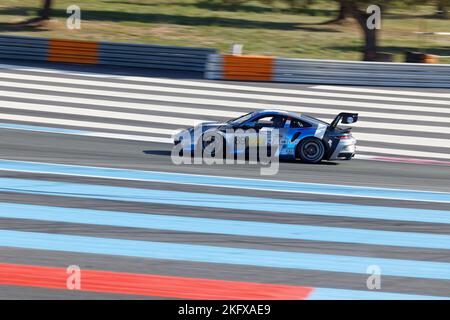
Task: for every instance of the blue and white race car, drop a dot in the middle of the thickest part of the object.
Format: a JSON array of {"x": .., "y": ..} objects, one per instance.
[{"x": 300, "y": 136}]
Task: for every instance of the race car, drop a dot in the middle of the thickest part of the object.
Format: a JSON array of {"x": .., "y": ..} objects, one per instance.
[{"x": 300, "y": 137}]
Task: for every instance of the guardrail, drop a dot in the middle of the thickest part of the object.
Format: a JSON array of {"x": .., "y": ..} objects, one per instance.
[
  {"x": 247, "y": 67},
  {"x": 104, "y": 53},
  {"x": 226, "y": 67},
  {"x": 26, "y": 48},
  {"x": 327, "y": 71}
]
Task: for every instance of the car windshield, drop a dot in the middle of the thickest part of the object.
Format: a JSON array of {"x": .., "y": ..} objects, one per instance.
[{"x": 241, "y": 119}]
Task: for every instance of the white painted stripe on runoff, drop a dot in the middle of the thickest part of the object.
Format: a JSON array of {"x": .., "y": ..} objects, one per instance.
[
  {"x": 398, "y": 159},
  {"x": 43, "y": 69},
  {"x": 406, "y": 140},
  {"x": 197, "y": 111},
  {"x": 402, "y": 127},
  {"x": 96, "y": 134},
  {"x": 399, "y": 152},
  {"x": 128, "y": 137},
  {"x": 256, "y": 88},
  {"x": 220, "y": 93},
  {"x": 211, "y": 84},
  {"x": 101, "y": 113},
  {"x": 384, "y": 91},
  {"x": 233, "y": 104},
  {"x": 119, "y": 104},
  {"x": 86, "y": 124},
  {"x": 241, "y": 104}
]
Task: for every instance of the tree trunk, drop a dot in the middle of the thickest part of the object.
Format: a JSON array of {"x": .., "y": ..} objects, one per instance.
[
  {"x": 343, "y": 11},
  {"x": 46, "y": 10},
  {"x": 370, "y": 35},
  {"x": 370, "y": 46}
]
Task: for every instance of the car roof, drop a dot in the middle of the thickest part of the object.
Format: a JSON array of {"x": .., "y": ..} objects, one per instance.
[
  {"x": 277, "y": 112},
  {"x": 294, "y": 115}
]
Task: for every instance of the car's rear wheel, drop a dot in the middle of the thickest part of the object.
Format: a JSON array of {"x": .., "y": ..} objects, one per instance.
[{"x": 310, "y": 150}]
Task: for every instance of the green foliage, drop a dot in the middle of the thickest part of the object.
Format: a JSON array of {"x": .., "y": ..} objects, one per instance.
[
  {"x": 265, "y": 27},
  {"x": 443, "y": 7},
  {"x": 298, "y": 4},
  {"x": 230, "y": 2}
]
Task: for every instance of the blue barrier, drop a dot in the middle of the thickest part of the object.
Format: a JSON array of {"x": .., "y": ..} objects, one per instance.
[{"x": 105, "y": 53}]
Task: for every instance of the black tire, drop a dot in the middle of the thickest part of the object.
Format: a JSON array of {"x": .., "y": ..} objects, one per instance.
[{"x": 310, "y": 150}]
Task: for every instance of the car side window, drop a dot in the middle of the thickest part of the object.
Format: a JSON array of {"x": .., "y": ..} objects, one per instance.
[
  {"x": 299, "y": 124},
  {"x": 271, "y": 122}
]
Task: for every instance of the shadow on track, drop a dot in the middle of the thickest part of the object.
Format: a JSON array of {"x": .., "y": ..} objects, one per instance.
[{"x": 168, "y": 154}]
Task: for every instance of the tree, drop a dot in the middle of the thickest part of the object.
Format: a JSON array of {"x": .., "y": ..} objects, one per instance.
[
  {"x": 358, "y": 10},
  {"x": 344, "y": 11}
]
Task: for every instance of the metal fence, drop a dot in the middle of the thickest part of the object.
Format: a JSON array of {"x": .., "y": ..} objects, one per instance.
[
  {"x": 104, "y": 53},
  {"x": 25, "y": 48},
  {"x": 338, "y": 72},
  {"x": 226, "y": 67},
  {"x": 161, "y": 57},
  {"x": 361, "y": 73}
]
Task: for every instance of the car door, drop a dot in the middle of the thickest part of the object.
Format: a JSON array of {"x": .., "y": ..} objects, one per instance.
[
  {"x": 295, "y": 130},
  {"x": 262, "y": 129}
]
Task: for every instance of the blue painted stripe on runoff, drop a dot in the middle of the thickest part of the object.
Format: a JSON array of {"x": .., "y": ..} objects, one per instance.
[
  {"x": 97, "y": 134},
  {"x": 40, "y": 128},
  {"x": 342, "y": 294},
  {"x": 213, "y": 254},
  {"x": 220, "y": 226},
  {"x": 168, "y": 197},
  {"x": 228, "y": 182}
]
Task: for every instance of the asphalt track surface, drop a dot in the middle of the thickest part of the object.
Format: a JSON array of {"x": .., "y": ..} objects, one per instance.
[{"x": 183, "y": 230}]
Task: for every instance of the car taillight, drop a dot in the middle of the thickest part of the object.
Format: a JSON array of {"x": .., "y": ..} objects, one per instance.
[{"x": 343, "y": 137}]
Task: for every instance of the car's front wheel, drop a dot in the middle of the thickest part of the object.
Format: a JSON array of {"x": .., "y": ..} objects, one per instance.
[{"x": 310, "y": 150}]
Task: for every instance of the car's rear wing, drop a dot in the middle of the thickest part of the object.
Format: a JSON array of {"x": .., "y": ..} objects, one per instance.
[{"x": 345, "y": 118}]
